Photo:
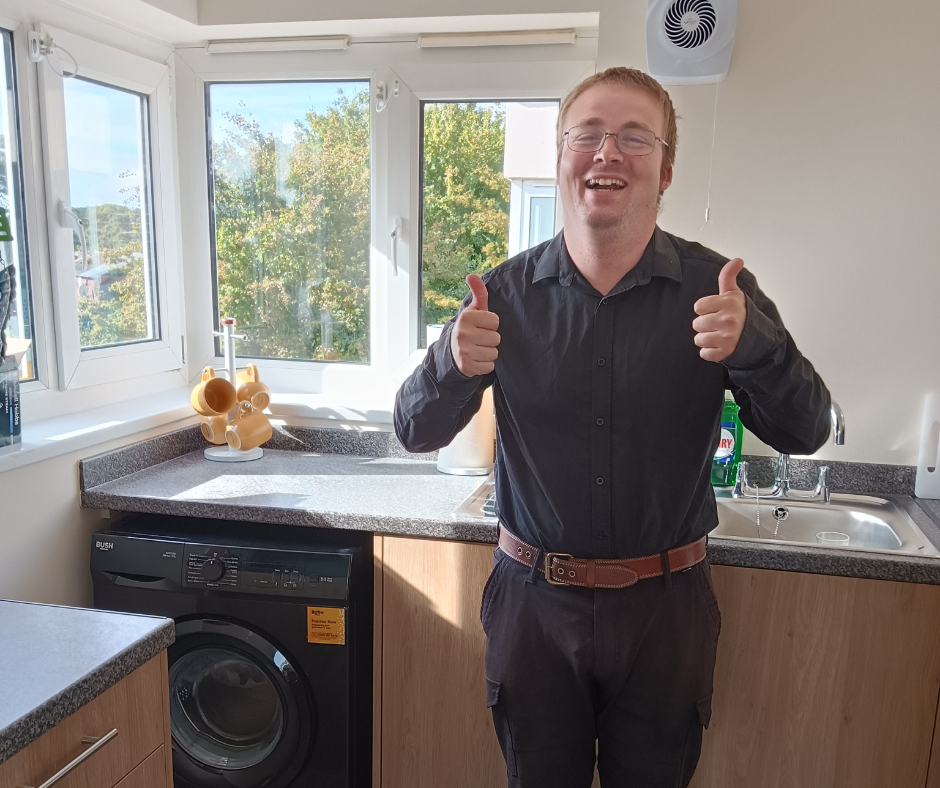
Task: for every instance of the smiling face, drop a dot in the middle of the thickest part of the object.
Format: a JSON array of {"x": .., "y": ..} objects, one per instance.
[{"x": 609, "y": 189}]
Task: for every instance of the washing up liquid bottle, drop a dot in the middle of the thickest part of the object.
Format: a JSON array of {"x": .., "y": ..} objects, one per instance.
[{"x": 728, "y": 453}]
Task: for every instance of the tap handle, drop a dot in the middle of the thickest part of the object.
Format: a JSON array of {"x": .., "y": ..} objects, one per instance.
[
  {"x": 822, "y": 485},
  {"x": 740, "y": 481}
]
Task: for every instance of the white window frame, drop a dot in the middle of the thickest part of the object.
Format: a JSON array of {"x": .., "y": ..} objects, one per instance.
[
  {"x": 78, "y": 368},
  {"x": 517, "y": 73},
  {"x": 520, "y": 209},
  {"x": 26, "y": 112}
]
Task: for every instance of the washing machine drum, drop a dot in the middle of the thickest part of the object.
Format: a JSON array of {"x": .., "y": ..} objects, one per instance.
[{"x": 239, "y": 713}]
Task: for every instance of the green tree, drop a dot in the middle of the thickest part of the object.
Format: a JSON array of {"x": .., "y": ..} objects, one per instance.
[
  {"x": 466, "y": 201},
  {"x": 117, "y": 311},
  {"x": 292, "y": 233}
]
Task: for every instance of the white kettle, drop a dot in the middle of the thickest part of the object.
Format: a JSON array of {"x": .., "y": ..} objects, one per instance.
[{"x": 472, "y": 451}]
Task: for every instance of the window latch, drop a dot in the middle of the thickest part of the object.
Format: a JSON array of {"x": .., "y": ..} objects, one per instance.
[
  {"x": 70, "y": 221},
  {"x": 396, "y": 237}
]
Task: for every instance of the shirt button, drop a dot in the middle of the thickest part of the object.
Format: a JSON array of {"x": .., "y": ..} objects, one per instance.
[
  {"x": 599, "y": 480},
  {"x": 600, "y": 422},
  {"x": 603, "y": 301},
  {"x": 601, "y": 362},
  {"x": 600, "y": 537}
]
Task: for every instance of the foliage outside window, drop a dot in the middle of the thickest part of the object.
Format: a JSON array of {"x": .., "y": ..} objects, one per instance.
[
  {"x": 474, "y": 160},
  {"x": 12, "y": 225},
  {"x": 465, "y": 210},
  {"x": 107, "y": 136},
  {"x": 291, "y": 207}
]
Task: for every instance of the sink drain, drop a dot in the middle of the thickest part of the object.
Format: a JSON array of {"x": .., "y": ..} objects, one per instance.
[{"x": 780, "y": 513}]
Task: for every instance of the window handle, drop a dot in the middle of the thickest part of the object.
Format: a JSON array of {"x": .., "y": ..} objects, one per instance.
[
  {"x": 396, "y": 237},
  {"x": 70, "y": 221}
]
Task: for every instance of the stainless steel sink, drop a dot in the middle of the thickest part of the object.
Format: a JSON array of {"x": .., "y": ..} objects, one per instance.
[{"x": 871, "y": 524}]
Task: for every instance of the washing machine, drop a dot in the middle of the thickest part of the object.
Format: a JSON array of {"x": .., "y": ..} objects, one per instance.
[{"x": 270, "y": 676}]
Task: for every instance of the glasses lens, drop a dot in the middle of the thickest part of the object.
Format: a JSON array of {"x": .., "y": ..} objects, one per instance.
[
  {"x": 585, "y": 138},
  {"x": 636, "y": 142}
]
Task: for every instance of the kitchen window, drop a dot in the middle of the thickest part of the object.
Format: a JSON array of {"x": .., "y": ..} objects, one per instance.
[
  {"x": 487, "y": 186},
  {"x": 291, "y": 215},
  {"x": 301, "y": 189},
  {"x": 107, "y": 133},
  {"x": 13, "y": 249},
  {"x": 111, "y": 213}
]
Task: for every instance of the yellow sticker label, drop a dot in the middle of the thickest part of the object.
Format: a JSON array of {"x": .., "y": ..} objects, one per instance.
[{"x": 326, "y": 625}]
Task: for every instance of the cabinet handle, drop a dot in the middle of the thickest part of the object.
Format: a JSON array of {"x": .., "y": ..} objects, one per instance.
[{"x": 96, "y": 744}]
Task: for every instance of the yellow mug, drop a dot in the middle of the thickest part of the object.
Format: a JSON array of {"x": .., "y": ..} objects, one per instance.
[
  {"x": 251, "y": 389},
  {"x": 213, "y": 396},
  {"x": 250, "y": 428},
  {"x": 213, "y": 428}
]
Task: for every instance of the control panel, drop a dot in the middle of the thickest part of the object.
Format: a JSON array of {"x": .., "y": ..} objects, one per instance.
[
  {"x": 265, "y": 571},
  {"x": 215, "y": 567}
]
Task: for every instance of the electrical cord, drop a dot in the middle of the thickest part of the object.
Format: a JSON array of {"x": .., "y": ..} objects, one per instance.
[{"x": 55, "y": 50}]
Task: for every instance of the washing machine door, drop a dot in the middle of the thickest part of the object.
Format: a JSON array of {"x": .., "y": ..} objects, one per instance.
[{"x": 240, "y": 714}]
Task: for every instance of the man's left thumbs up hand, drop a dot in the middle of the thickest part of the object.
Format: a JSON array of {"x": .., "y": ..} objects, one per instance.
[{"x": 721, "y": 317}]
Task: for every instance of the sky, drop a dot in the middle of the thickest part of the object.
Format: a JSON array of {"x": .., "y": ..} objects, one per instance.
[
  {"x": 275, "y": 106},
  {"x": 104, "y": 138}
]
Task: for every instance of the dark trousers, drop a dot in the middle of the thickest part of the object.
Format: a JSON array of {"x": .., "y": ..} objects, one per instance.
[{"x": 626, "y": 671}]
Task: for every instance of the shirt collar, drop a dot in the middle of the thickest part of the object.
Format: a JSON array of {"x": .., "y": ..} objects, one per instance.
[{"x": 659, "y": 259}]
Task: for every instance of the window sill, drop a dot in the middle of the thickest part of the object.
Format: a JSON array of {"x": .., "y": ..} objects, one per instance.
[
  {"x": 43, "y": 440},
  {"x": 369, "y": 410}
]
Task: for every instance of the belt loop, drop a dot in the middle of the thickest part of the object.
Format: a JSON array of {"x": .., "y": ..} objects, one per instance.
[
  {"x": 533, "y": 571},
  {"x": 667, "y": 571}
]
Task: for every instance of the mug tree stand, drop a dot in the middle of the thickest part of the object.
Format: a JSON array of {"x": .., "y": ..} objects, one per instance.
[{"x": 227, "y": 453}]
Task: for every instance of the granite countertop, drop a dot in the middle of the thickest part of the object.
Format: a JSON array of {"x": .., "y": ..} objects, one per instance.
[
  {"x": 388, "y": 495},
  {"x": 54, "y": 660},
  {"x": 324, "y": 480}
]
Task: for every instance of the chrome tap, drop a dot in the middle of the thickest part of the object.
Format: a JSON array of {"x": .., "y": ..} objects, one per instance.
[{"x": 781, "y": 486}]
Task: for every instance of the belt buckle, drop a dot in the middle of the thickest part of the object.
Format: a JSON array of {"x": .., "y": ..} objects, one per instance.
[{"x": 549, "y": 557}]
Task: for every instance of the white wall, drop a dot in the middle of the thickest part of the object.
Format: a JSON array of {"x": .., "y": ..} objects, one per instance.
[
  {"x": 827, "y": 182},
  {"x": 45, "y": 535}
]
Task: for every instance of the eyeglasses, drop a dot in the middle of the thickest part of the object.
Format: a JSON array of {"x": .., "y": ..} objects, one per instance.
[{"x": 633, "y": 141}]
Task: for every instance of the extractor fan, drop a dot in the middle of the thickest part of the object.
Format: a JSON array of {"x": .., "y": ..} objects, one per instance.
[{"x": 689, "y": 42}]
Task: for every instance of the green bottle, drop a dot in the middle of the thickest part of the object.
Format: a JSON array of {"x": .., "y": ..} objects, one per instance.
[{"x": 728, "y": 453}]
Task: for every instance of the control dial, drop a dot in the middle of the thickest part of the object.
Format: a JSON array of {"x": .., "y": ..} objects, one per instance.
[{"x": 212, "y": 570}]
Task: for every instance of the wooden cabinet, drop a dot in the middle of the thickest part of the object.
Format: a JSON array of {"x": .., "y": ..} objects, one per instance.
[
  {"x": 435, "y": 727},
  {"x": 821, "y": 681},
  {"x": 138, "y": 756}
]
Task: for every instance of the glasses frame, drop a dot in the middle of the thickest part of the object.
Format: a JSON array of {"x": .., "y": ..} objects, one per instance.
[{"x": 613, "y": 134}]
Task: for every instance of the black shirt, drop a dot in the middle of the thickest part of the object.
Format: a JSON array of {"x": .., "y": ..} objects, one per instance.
[{"x": 607, "y": 417}]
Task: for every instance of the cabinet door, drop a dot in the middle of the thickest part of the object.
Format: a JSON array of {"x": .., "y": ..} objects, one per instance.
[
  {"x": 436, "y": 729},
  {"x": 134, "y": 706},
  {"x": 150, "y": 774},
  {"x": 828, "y": 682}
]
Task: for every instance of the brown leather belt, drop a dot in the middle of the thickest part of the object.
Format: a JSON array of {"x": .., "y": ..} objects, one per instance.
[{"x": 565, "y": 570}]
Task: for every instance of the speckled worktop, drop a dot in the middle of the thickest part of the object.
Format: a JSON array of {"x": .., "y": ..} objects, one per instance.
[
  {"x": 365, "y": 481},
  {"x": 54, "y": 660}
]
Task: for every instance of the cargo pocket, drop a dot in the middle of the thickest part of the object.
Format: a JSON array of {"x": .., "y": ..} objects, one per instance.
[
  {"x": 501, "y": 724},
  {"x": 692, "y": 750}
]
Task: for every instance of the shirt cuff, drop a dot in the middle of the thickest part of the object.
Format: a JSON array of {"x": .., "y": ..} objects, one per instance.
[
  {"x": 759, "y": 339},
  {"x": 439, "y": 362}
]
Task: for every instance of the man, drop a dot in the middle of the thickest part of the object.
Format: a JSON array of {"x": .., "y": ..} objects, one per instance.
[{"x": 609, "y": 349}]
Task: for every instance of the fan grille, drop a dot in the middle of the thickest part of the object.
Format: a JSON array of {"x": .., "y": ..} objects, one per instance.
[{"x": 690, "y": 23}]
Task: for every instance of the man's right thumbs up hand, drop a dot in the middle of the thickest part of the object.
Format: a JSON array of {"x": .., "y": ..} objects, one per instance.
[{"x": 474, "y": 338}]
